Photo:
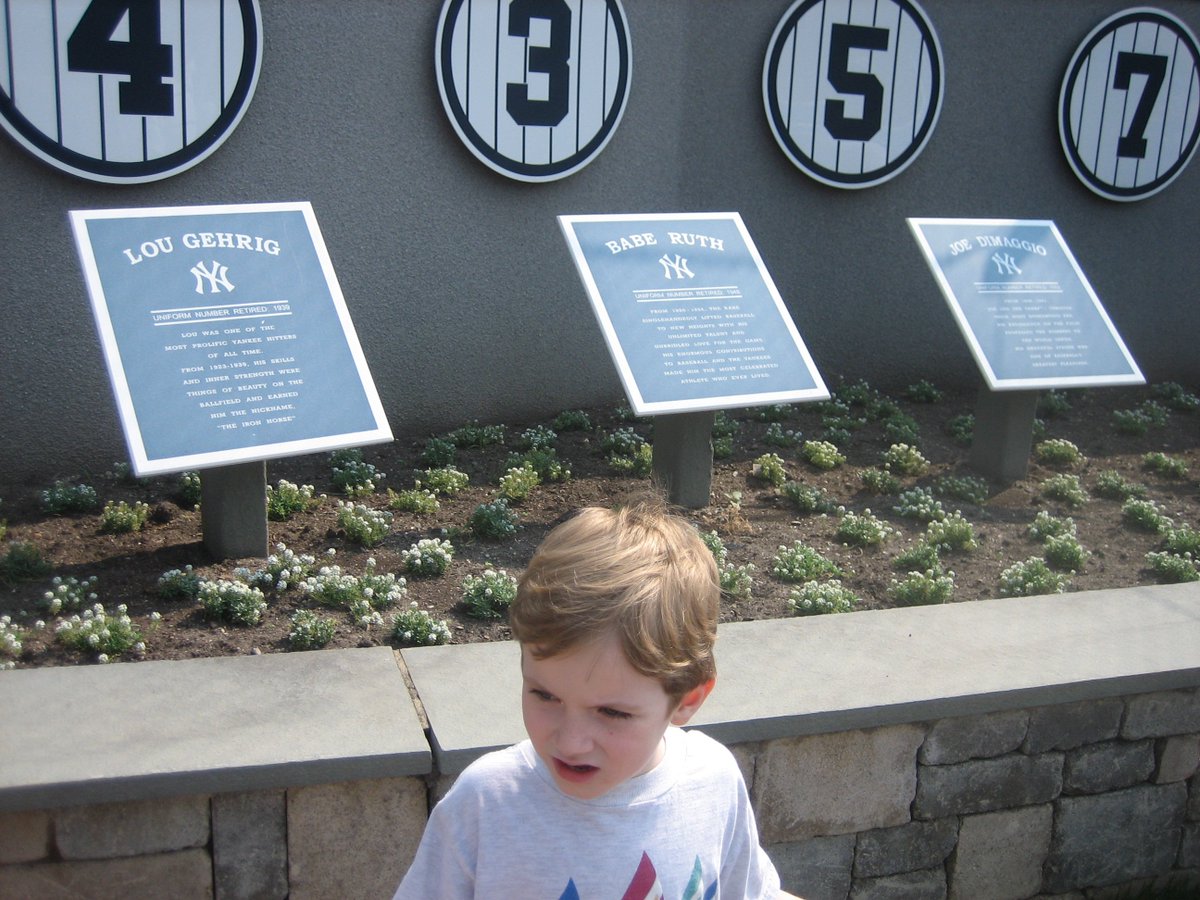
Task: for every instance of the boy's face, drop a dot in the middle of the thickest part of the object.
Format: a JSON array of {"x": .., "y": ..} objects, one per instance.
[{"x": 594, "y": 720}]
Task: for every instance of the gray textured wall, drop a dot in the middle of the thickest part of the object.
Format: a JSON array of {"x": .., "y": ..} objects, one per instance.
[{"x": 460, "y": 284}]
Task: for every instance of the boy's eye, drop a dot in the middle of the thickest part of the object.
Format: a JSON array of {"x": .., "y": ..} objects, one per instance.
[
  {"x": 541, "y": 695},
  {"x": 609, "y": 713}
]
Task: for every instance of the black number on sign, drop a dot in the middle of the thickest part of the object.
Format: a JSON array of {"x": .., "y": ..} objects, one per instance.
[
  {"x": 1133, "y": 143},
  {"x": 144, "y": 58},
  {"x": 553, "y": 61},
  {"x": 843, "y": 39}
]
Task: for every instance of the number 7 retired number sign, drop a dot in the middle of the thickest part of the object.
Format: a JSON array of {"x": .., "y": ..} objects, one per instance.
[{"x": 1128, "y": 112}]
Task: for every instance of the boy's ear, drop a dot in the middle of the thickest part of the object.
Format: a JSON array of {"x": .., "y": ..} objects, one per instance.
[{"x": 692, "y": 701}]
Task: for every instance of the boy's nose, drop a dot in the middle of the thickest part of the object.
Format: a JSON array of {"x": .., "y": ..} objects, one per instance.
[{"x": 574, "y": 737}]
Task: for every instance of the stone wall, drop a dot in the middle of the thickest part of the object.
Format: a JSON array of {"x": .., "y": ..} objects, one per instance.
[
  {"x": 1029, "y": 747},
  {"x": 351, "y": 839},
  {"x": 1056, "y": 800}
]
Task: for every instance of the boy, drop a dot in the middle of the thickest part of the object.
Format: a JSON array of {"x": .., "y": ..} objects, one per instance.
[{"x": 616, "y": 616}]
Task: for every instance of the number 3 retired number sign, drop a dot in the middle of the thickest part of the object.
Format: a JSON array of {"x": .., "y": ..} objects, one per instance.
[{"x": 534, "y": 88}]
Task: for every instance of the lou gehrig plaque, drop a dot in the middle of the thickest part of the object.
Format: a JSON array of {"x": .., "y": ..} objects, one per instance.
[{"x": 226, "y": 336}]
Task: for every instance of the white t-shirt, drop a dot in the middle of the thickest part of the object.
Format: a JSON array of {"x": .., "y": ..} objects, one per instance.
[{"x": 682, "y": 831}]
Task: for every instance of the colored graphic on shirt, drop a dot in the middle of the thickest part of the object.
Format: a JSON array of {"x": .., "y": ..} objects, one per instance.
[
  {"x": 696, "y": 885},
  {"x": 646, "y": 886}
]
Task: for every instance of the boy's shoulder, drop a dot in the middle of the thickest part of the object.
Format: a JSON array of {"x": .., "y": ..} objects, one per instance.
[
  {"x": 498, "y": 771},
  {"x": 705, "y": 753},
  {"x": 515, "y": 759}
]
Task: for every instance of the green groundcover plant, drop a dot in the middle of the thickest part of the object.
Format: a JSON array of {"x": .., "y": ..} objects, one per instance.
[
  {"x": 815, "y": 598},
  {"x": 736, "y": 581},
  {"x": 800, "y": 563},
  {"x": 107, "y": 635},
  {"x": 64, "y": 498},
  {"x": 923, "y": 588},
  {"x": 232, "y": 601},
  {"x": 489, "y": 595},
  {"x": 363, "y": 524},
  {"x": 310, "y": 630},
  {"x": 415, "y": 627},
  {"x": 494, "y": 520},
  {"x": 286, "y": 499},
  {"x": 69, "y": 593},
  {"x": 428, "y": 557},
  {"x": 1031, "y": 577},
  {"x": 120, "y": 517}
]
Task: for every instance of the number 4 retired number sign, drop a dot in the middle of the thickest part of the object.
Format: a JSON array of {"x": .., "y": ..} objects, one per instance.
[{"x": 97, "y": 89}]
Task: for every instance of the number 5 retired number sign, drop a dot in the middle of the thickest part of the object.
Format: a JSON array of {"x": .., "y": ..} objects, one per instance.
[{"x": 853, "y": 91}]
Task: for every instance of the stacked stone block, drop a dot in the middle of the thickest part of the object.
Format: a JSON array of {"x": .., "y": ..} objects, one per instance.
[
  {"x": 1067, "y": 800},
  {"x": 350, "y": 839}
]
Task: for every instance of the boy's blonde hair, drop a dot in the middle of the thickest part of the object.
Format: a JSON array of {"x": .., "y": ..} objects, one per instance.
[{"x": 636, "y": 571}]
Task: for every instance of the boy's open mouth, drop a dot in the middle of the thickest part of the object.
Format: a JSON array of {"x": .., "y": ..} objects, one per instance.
[{"x": 573, "y": 773}]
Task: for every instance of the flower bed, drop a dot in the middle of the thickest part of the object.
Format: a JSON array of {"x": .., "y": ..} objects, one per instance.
[{"x": 878, "y": 485}]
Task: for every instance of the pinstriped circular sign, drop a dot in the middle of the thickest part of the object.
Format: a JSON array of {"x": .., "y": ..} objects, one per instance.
[
  {"x": 534, "y": 88},
  {"x": 1129, "y": 109},
  {"x": 126, "y": 91},
  {"x": 853, "y": 90}
]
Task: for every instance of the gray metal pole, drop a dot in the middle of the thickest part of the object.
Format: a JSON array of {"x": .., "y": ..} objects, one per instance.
[
  {"x": 1003, "y": 433},
  {"x": 233, "y": 510},
  {"x": 683, "y": 457}
]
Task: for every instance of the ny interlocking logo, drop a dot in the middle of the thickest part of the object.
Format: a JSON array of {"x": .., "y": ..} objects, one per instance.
[
  {"x": 678, "y": 266},
  {"x": 1006, "y": 264},
  {"x": 215, "y": 276}
]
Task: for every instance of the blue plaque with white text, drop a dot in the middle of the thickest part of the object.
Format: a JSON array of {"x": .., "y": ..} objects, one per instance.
[
  {"x": 690, "y": 314},
  {"x": 1023, "y": 304},
  {"x": 226, "y": 335}
]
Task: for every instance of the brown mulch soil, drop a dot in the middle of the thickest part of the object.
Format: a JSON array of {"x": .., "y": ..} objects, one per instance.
[{"x": 128, "y": 566}]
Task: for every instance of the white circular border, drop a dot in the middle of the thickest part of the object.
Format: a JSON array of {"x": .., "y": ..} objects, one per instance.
[
  {"x": 63, "y": 166},
  {"x": 1087, "y": 177},
  {"x": 916, "y": 150},
  {"x": 448, "y": 105}
]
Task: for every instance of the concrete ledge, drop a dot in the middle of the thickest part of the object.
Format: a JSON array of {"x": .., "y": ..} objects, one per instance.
[
  {"x": 96, "y": 734},
  {"x": 791, "y": 677}
]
